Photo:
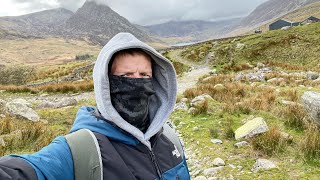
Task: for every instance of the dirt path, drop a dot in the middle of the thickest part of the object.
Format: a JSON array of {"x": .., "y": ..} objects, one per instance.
[{"x": 189, "y": 79}]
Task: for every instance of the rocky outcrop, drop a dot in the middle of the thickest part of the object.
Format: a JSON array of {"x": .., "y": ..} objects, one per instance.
[{"x": 22, "y": 109}]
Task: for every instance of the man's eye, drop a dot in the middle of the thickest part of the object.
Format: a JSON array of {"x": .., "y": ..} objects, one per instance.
[
  {"x": 144, "y": 75},
  {"x": 124, "y": 75}
]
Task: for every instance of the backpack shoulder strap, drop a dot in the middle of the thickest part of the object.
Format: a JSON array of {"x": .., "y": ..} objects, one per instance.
[
  {"x": 86, "y": 155},
  {"x": 170, "y": 133}
]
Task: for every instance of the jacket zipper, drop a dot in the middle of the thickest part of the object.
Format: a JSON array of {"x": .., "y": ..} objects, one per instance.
[
  {"x": 153, "y": 158},
  {"x": 155, "y": 163}
]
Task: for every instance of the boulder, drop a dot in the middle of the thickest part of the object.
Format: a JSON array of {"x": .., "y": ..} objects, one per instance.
[
  {"x": 21, "y": 108},
  {"x": 256, "y": 77},
  {"x": 251, "y": 128},
  {"x": 199, "y": 101},
  {"x": 263, "y": 164},
  {"x": 218, "y": 162},
  {"x": 311, "y": 101}
]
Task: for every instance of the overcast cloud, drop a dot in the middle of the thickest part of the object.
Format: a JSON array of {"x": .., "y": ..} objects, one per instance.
[{"x": 145, "y": 12}]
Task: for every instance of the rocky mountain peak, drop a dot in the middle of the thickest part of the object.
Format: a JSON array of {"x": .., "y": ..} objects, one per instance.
[{"x": 99, "y": 22}]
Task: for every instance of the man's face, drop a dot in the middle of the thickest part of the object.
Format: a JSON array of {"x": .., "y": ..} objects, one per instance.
[{"x": 132, "y": 66}]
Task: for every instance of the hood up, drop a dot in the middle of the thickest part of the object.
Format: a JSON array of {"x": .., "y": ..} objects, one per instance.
[{"x": 164, "y": 82}]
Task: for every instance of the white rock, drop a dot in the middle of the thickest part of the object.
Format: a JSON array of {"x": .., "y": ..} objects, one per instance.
[
  {"x": 218, "y": 162},
  {"x": 251, "y": 128},
  {"x": 212, "y": 171},
  {"x": 241, "y": 144},
  {"x": 263, "y": 164},
  {"x": 216, "y": 141}
]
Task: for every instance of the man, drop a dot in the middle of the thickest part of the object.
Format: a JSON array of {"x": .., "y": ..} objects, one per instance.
[{"x": 135, "y": 89}]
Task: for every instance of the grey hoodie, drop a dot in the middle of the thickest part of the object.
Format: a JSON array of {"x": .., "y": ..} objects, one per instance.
[{"x": 164, "y": 82}]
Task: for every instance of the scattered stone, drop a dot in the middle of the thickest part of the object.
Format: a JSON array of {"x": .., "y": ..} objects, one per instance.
[
  {"x": 212, "y": 171},
  {"x": 200, "y": 178},
  {"x": 241, "y": 144},
  {"x": 216, "y": 141},
  {"x": 185, "y": 100},
  {"x": 2, "y": 102},
  {"x": 289, "y": 103},
  {"x": 240, "y": 46},
  {"x": 196, "y": 172},
  {"x": 218, "y": 162},
  {"x": 263, "y": 164},
  {"x": 260, "y": 65},
  {"x": 239, "y": 77},
  {"x": 312, "y": 75},
  {"x": 239, "y": 167},
  {"x": 232, "y": 166},
  {"x": 311, "y": 102},
  {"x": 2, "y": 116},
  {"x": 230, "y": 177},
  {"x": 20, "y": 108},
  {"x": 195, "y": 129},
  {"x": 44, "y": 95},
  {"x": 251, "y": 128},
  {"x": 181, "y": 106},
  {"x": 256, "y": 77},
  {"x": 199, "y": 101},
  {"x": 192, "y": 110},
  {"x": 63, "y": 103},
  {"x": 218, "y": 86},
  {"x": 2, "y": 142}
]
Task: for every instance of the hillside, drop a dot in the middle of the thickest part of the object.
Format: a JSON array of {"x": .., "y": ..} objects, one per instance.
[
  {"x": 43, "y": 51},
  {"x": 174, "y": 32},
  {"x": 269, "y": 11},
  {"x": 39, "y": 24}
]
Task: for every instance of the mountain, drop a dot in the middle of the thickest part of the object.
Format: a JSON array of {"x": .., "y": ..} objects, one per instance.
[
  {"x": 92, "y": 22},
  {"x": 271, "y": 10},
  {"x": 36, "y": 24},
  {"x": 184, "y": 31},
  {"x": 99, "y": 23}
]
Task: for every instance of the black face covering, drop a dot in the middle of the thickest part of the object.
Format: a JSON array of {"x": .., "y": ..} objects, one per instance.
[{"x": 130, "y": 97}]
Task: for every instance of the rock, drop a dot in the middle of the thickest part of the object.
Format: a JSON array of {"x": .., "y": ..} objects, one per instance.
[
  {"x": 218, "y": 162},
  {"x": 260, "y": 65},
  {"x": 239, "y": 77},
  {"x": 230, "y": 177},
  {"x": 2, "y": 102},
  {"x": 251, "y": 128},
  {"x": 20, "y": 108},
  {"x": 218, "y": 86},
  {"x": 185, "y": 100},
  {"x": 216, "y": 141},
  {"x": 44, "y": 95},
  {"x": 263, "y": 164},
  {"x": 200, "y": 178},
  {"x": 2, "y": 116},
  {"x": 212, "y": 171},
  {"x": 181, "y": 106},
  {"x": 311, "y": 102},
  {"x": 2, "y": 142},
  {"x": 240, "y": 46},
  {"x": 241, "y": 144},
  {"x": 63, "y": 103},
  {"x": 265, "y": 70},
  {"x": 195, "y": 129},
  {"x": 232, "y": 166},
  {"x": 312, "y": 75},
  {"x": 256, "y": 77},
  {"x": 192, "y": 110},
  {"x": 199, "y": 101}
]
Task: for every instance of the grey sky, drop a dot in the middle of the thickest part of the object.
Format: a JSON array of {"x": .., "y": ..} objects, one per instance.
[{"x": 145, "y": 12}]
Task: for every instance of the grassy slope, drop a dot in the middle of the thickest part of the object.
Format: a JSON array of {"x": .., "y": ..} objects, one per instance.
[
  {"x": 43, "y": 51},
  {"x": 293, "y": 50}
]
